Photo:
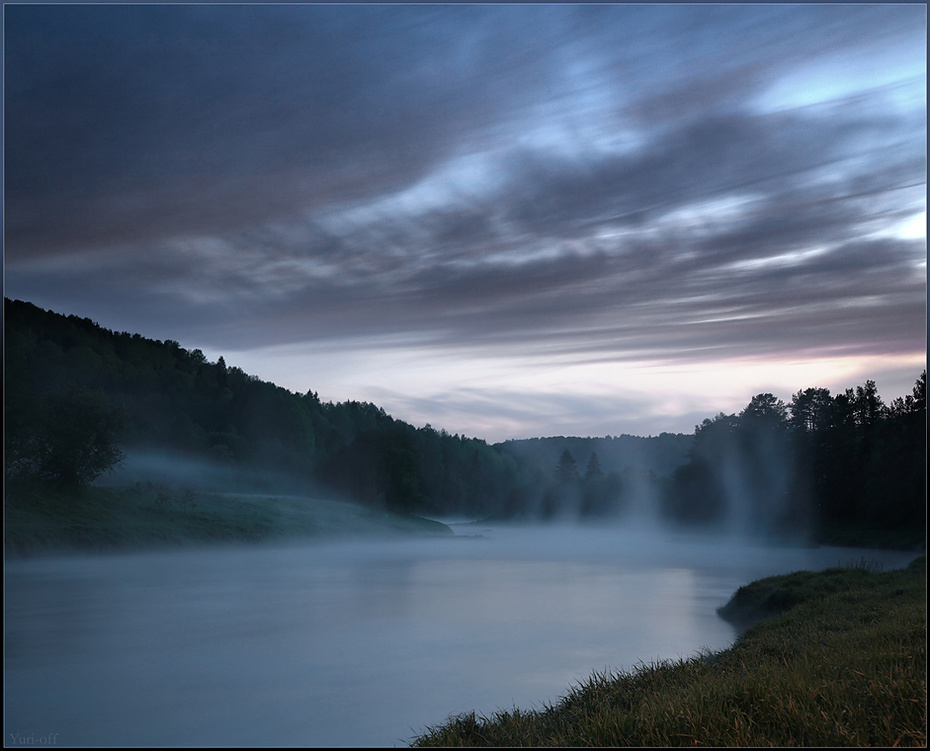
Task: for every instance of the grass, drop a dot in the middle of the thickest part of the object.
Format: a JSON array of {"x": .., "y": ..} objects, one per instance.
[
  {"x": 837, "y": 658},
  {"x": 39, "y": 518}
]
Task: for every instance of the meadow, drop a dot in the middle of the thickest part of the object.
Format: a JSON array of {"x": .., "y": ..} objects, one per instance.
[{"x": 43, "y": 518}]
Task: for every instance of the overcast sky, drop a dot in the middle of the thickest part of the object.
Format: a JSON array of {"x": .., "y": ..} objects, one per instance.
[{"x": 504, "y": 221}]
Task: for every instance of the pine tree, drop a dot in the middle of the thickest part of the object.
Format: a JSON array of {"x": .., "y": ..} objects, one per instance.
[
  {"x": 566, "y": 472},
  {"x": 594, "y": 467}
]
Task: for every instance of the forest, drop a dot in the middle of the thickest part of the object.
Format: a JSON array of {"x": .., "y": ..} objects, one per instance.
[{"x": 79, "y": 398}]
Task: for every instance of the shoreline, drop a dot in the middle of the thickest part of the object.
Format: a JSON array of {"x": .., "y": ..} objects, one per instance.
[{"x": 832, "y": 658}]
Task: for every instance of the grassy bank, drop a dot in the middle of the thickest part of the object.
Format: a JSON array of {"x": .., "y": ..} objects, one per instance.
[
  {"x": 40, "y": 518},
  {"x": 836, "y": 658}
]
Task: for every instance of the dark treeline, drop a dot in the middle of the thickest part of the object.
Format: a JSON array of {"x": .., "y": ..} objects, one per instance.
[
  {"x": 70, "y": 384},
  {"x": 78, "y": 396},
  {"x": 844, "y": 468}
]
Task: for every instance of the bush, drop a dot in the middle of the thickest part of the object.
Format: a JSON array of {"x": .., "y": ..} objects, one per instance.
[{"x": 70, "y": 440}]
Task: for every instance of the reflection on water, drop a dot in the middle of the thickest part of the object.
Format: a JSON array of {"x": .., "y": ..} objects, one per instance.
[{"x": 356, "y": 643}]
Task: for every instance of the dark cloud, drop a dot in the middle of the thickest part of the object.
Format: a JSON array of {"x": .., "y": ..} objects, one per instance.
[
  {"x": 612, "y": 181},
  {"x": 119, "y": 119}
]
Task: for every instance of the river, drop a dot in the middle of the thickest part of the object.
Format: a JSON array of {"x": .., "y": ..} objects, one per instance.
[{"x": 357, "y": 643}]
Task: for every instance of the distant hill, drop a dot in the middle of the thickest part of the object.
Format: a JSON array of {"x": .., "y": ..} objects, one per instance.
[{"x": 661, "y": 454}]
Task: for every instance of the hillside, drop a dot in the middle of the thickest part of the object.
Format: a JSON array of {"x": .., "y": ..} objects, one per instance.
[
  {"x": 845, "y": 468},
  {"x": 155, "y": 397}
]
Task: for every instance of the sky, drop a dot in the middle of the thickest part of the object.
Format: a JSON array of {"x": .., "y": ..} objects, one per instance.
[{"x": 500, "y": 220}]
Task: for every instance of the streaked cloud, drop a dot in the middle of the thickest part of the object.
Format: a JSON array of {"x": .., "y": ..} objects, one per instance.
[{"x": 507, "y": 189}]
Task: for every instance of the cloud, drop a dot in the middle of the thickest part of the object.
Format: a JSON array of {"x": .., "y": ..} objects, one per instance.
[
  {"x": 607, "y": 183},
  {"x": 142, "y": 122}
]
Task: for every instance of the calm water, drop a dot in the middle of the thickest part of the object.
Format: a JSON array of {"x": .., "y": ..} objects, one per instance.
[{"x": 356, "y": 644}]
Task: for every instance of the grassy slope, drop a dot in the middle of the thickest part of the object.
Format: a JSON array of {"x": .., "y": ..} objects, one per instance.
[
  {"x": 843, "y": 663},
  {"x": 43, "y": 519}
]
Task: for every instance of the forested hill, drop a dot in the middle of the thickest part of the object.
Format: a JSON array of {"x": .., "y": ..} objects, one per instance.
[
  {"x": 660, "y": 455},
  {"x": 841, "y": 468},
  {"x": 71, "y": 384}
]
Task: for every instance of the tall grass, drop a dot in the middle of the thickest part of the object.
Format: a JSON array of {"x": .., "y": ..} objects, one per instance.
[{"x": 844, "y": 664}]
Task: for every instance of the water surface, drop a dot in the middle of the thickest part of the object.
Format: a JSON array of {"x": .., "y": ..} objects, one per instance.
[{"x": 361, "y": 643}]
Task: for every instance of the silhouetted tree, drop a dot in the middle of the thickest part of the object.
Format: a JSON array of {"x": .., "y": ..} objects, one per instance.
[
  {"x": 867, "y": 405},
  {"x": 695, "y": 495},
  {"x": 566, "y": 472},
  {"x": 72, "y": 442},
  {"x": 810, "y": 411},
  {"x": 594, "y": 467},
  {"x": 765, "y": 407}
]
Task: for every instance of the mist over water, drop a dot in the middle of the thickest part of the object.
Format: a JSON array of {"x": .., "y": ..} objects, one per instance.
[{"x": 359, "y": 643}]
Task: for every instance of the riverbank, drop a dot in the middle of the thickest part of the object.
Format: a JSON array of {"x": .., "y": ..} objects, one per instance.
[
  {"x": 835, "y": 658},
  {"x": 43, "y": 519}
]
